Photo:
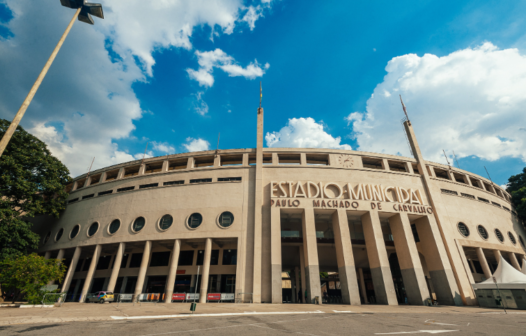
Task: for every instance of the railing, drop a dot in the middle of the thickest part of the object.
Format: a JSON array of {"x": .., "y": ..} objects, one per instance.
[
  {"x": 53, "y": 298},
  {"x": 241, "y": 297}
]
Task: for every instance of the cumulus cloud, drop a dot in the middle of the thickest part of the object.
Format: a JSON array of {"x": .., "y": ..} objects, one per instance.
[
  {"x": 208, "y": 60},
  {"x": 86, "y": 101},
  {"x": 163, "y": 147},
  {"x": 196, "y": 145},
  {"x": 200, "y": 106},
  {"x": 470, "y": 101},
  {"x": 304, "y": 133}
]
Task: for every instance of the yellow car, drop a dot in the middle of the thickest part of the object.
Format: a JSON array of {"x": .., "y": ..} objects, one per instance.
[{"x": 101, "y": 297}]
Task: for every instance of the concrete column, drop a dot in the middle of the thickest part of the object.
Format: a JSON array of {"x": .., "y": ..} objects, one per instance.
[
  {"x": 120, "y": 174},
  {"x": 409, "y": 260},
  {"x": 409, "y": 167},
  {"x": 362, "y": 285},
  {"x": 143, "y": 269},
  {"x": 497, "y": 255},
  {"x": 345, "y": 258},
  {"x": 75, "y": 186},
  {"x": 466, "y": 179},
  {"x": 217, "y": 161},
  {"x": 451, "y": 176},
  {"x": 123, "y": 286},
  {"x": 298, "y": 288},
  {"x": 378, "y": 259},
  {"x": 172, "y": 273},
  {"x": 302, "y": 272},
  {"x": 438, "y": 265},
  {"x": 71, "y": 270},
  {"x": 60, "y": 254},
  {"x": 514, "y": 261},
  {"x": 47, "y": 255},
  {"x": 275, "y": 251},
  {"x": 245, "y": 160},
  {"x": 91, "y": 271},
  {"x": 116, "y": 268},
  {"x": 190, "y": 163},
  {"x": 303, "y": 159},
  {"x": 275, "y": 159},
  {"x": 142, "y": 168},
  {"x": 483, "y": 262},
  {"x": 310, "y": 250},
  {"x": 87, "y": 182},
  {"x": 432, "y": 171},
  {"x": 102, "y": 177},
  {"x": 385, "y": 164},
  {"x": 206, "y": 271},
  {"x": 166, "y": 163}
]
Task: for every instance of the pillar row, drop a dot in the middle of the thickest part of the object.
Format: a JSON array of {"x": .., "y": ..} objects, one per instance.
[
  {"x": 71, "y": 270},
  {"x": 172, "y": 273},
  {"x": 275, "y": 248},
  {"x": 91, "y": 272},
  {"x": 206, "y": 271},
  {"x": 143, "y": 269},
  {"x": 310, "y": 253},
  {"x": 116, "y": 268},
  {"x": 483, "y": 262},
  {"x": 514, "y": 261}
]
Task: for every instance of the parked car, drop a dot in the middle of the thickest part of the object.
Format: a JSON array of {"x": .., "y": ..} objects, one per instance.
[{"x": 101, "y": 297}]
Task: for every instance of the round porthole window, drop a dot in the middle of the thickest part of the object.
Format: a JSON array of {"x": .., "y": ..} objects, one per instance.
[
  {"x": 522, "y": 242},
  {"x": 59, "y": 235},
  {"x": 74, "y": 232},
  {"x": 165, "y": 222},
  {"x": 482, "y": 231},
  {"x": 195, "y": 220},
  {"x": 93, "y": 228},
  {"x": 46, "y": 239},
  {"x": 226, "y": 219},
  {"x": 464, "y": 230},
  {"x": 114, "y": 226},
  {"x": 138, "y": 224},
  {"x": 500, "y": 237},
  {"x": 512, "y": 238}
]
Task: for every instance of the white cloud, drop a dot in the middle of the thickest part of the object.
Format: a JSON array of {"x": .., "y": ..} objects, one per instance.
[
  {"x": 303, "y": 133},
  {"x": 200, "y": 106},
  {"x": 86, "y": 101},
  {"x": 196, "y": 145},
  {"x": 163, "y": 147},
  {"x": 470, "y": 101},
  {"x": 208, "y": 60}
]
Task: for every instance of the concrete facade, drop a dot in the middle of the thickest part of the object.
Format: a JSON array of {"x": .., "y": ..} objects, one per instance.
[{"x": 380, "y": 228}]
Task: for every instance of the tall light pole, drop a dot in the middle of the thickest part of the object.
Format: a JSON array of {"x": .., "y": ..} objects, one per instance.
[{"x": 83, "y": 12}]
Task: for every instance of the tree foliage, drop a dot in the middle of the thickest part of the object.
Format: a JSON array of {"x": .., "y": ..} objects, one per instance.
[
  {"x": 29, "y": 273},
  {"x": 517, "y": 189},
  {"x": 32, "y": 182}
]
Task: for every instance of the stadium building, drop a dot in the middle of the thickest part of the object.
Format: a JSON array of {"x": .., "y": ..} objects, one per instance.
[{"x": 273, "y": 225}]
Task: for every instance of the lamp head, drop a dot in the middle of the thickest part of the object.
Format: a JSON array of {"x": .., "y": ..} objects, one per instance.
[{"x": 87, "y": 9}]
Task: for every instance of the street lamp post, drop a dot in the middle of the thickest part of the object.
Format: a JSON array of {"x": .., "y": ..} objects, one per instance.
[{"x": 83, "y": 12}]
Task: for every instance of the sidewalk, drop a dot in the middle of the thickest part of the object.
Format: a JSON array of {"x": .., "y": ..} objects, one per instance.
[{"x": 71, "y": 312}]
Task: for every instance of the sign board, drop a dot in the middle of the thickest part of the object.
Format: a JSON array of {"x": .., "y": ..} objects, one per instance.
[
  {"x": 125, "y": 297},
  {"x": 192, "y": 296},
  {"x": 228, "y": 297},
  {"x": 213, "y": 296},
  {"x": 181, "y": 271},
  {"x": 143, "y": 297},
  {"x": 178, "y": 297}
]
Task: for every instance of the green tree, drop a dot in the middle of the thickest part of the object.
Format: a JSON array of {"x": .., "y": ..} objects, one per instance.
[
  {"x": 29, "y": 273},
  {"x": 32, "y": 182},
  {"x": 517, "y": 189}
]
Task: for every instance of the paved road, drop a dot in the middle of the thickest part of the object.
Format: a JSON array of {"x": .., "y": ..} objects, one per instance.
[{"x": 311, "y": 324}]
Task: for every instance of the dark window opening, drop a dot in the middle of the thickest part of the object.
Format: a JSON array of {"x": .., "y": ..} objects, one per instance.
[
  {"x": 160, "y": 259},
  {"x": 214, "y": 257},
  {"x": 397, "y": 166},
  {"x": 173, "y": 182},
  {"x": 459, "y": 178},
  {"x": 59, "y": 235},
  {"x": 74, "y": 232},
  {"x": 512, "y": 238},
  {"x": 95, "y": 179},
  {"x": 135, "y": 261},
  {"x": 228, "y": 179},
  {"x": 73, "y": 200},
  {"x": 186, "y": 258},
  {"x": 415, "y": 233},
  {"x": 94, "y": 227},
  {"x": 195, "y": 220},
  {"x": 496, "y": 204},
  {"x": 464, "y": 230},
  {"x": 79, "y": 265},
  {"x": 499, "y": 235},
  {"x": 114, "y": 226},
  {"x": 205, "y": 180},
  {"x": 104, "y": 262},
  {"x": 131, "y": 171},
  {"x": 482, "y": 231},
  {"x": 226, "y": 219},
  {"x": 475, "y": 183},
  {"x": 204, "y": 161},
  {"x": 317, "y": 159},
  {"x": 267, "y": 159},
  {"x": 440, "y": 173},
  {"x": 80, "y": 183},
  {"x": 124, "y": 260},
  {"x": 87, "y": 263},
  {"x": 415, "y": 169},
  {"x": 151, "y": 185},
  {"x": 88, "y": 196},
  {"x": 112, "y": 175},
  {"x": 105, "y": 192},
  {"x": 165, "y": 222},
  {"x": 488, "y": 187},
  {"x": 483, "y": 200},
  {"x": 138, "y": 224},
  {"x": 153, "y": 168},
  {"x": 125, "y": 189},
  {"x": 229, "y": 257},
  {"x": 449, "y": 192},
  {"x": 467, "y": 196},
  {"x": 178, "y": 164},
  {"x": 231, "y": 160},
  {"x": 478, "y": 267},
  {"x": 69, "y": 187},
  {"x": 289, "y": 159},
  {"x": 372, "y": 163},
  {"x": 505, "y": 208}
]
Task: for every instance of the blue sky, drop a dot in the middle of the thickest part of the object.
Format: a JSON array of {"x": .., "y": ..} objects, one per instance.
[{"x": 320, "y": 60}]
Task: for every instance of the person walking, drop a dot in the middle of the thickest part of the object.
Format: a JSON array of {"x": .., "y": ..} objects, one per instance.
[
  {"x": 305, "y": 296},
  {"x": 299, "y": 296}
]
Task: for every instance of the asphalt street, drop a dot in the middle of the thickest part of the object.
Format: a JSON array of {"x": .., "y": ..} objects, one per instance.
[{"x": 312, "y": 324}]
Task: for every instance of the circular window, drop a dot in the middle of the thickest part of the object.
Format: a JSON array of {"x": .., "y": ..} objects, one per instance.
[
  {"x": 463, "y": 228},
  {"x": 93, "y": 228},
  {"x": 195, "y": 220},
  {"x": 500, "y": 237},
  {"x": 226, "y": 219},
  {"x": 512, "y": 238},
  {"x": 46, "y": 239},
  {"x": 74, "y": 232},
  {"x": 522, "y": 242},
  {"x": 165, "y": 222},
  {"x": 59, "y": 235},
  {"x": 482, "y": 232},
  {"x": 138, "y": 224},
  {"x": 114, "y": 226}
]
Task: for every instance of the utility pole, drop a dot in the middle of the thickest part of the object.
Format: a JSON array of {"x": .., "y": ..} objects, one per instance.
[{"x": 83, "y": 11}]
